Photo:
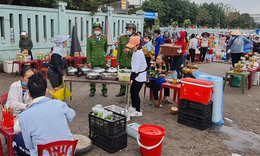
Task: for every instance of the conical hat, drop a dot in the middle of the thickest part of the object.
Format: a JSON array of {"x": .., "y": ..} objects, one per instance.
[{"x": 236, "y": 33}]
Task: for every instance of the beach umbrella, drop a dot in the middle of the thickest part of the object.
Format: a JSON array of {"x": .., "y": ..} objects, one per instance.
[
  {"x": 75, "y": 45},
  {"x": 108, "y": 32}
]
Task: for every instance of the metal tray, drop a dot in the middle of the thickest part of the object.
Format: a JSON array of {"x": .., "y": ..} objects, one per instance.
[
  {"x": 109, "y": 76},
  {"x": 93, "y": 76}
]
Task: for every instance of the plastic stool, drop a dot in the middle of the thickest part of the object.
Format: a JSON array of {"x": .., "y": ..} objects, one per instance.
[
  {"x": 151, "y": 93},
  {"x": 243, "y": 79},
  {"x": 177, "y": 89},
  {"x": 45, "y": 72}
]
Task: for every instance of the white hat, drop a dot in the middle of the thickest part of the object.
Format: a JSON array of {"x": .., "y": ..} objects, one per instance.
[{"x": 23, "y": 33}]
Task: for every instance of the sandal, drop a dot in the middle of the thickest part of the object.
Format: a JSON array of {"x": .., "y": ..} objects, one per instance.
[{"x": 167, "y": 102}]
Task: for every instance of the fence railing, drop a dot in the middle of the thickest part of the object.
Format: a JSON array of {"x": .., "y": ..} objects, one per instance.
[{"x": 43, "y": 24}]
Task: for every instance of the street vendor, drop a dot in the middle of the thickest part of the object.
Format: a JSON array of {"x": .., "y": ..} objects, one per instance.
[
  {"x": 26, "y": 44},
  {"x": 138, "y": 75},
  {"x": 96, "y": 54},
  {"x": 178, "y": 60},
  {"x": 156, "y": 77},
  {"x": 18, "y": 97},
  {"x": 124, "y": 54},
  {"x": 56, "y": 64}
]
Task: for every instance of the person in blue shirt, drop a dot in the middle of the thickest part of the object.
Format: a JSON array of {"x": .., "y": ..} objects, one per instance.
[
  {"x": 236, "y": 46},
  {"x": 44, "y": 121},
  {"x": 159, "y": 41},
  {"x": 149, "y": 46}
]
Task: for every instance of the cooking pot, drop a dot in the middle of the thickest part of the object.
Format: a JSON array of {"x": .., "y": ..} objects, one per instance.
[
  {"x": 98, "y": 70},
  {"x": 112, "y": 70},
  {"x": 71, "y": 71},
  {"x": 86, "y": 69}
]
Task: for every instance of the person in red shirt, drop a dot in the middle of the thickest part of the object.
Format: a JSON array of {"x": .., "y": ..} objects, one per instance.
[{"x": 178, "y": 60}]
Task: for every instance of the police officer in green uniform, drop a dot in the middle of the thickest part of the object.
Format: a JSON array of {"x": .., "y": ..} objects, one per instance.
[
  {"x": 96, "y": 54},
  {"x": 124, "y": 54}
]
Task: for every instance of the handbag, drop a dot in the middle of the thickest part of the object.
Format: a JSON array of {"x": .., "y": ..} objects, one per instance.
[{"x": 229, "y": 47}]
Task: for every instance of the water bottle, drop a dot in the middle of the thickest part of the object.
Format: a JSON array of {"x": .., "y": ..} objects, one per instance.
[{"x": 174, "y": 81}]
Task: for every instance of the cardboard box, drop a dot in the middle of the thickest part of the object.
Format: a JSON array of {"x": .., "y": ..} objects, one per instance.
[{"x": 170, "y": 49}]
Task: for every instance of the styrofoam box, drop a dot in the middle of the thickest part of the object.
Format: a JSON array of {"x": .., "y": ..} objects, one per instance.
[
  {"x": 7, "y": 65},
  {"x": 255, "y": 79},
  {"x": 115, "y": 108},
  {"x": 132, "y": 129}
]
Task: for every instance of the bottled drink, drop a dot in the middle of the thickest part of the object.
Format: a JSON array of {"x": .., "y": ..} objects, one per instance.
[
  {"x": 174, "y": 81},
  {"x": 29, "y": 58}
]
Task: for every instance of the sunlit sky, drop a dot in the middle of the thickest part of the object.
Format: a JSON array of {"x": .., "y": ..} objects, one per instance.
[{"x": 243, "y": 6}]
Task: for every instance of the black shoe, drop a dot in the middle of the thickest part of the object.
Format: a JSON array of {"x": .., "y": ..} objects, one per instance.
[
  {"x": 120, "y": 94},
  {"x": 91, "y": 94},
  {"x": 104, "y": 94}
]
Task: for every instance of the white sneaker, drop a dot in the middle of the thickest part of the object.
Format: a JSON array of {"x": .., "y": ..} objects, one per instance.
[
  {"x": 136, "y": 114},
  {"x": 131, "y": 109}
]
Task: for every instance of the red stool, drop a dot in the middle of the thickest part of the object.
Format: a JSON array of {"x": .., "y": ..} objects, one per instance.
[
  {"x": 177, "y": 89},
  {"x": 44, "y": 70},
  {"x": 151, "y": 93}
]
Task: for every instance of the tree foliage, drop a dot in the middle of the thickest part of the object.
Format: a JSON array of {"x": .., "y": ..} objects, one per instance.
[
  {"x": 85, "y": 5},
  {"x": 211, "y": 15}
]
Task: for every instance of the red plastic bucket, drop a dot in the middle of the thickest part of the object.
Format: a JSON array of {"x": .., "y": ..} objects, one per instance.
[{"x": 151, "y": 140}]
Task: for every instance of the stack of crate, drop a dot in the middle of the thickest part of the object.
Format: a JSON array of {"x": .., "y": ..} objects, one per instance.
[
  {"x": 195, "y": 114},
  {"x": 110, "y": 135}
]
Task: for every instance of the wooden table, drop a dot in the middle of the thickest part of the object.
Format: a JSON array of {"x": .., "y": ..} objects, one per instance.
[
  {"x": 9, "y": 135},
  {"x": 21, "y": 63},
  {"x": 71, "y": 79}
]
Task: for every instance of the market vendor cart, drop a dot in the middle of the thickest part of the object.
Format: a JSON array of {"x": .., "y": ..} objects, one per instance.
[{"x": 71, "y": 79}]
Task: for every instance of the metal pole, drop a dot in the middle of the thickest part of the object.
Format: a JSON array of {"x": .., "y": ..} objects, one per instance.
[{"x": 126, "y": 11}]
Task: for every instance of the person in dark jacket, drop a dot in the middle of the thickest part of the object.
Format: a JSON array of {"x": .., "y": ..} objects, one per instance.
[
  {"x": 56, "y": 64},
  {"x": 26, "y": 44},
  {"x": 256, "y": 44}
]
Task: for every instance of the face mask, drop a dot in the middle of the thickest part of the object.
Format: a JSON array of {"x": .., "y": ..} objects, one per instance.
[
  {"x": 155, "y": 36},
  {"x": 166, "y": 36},
  {"x": 128, "y": 33},
  {"x": 147, "y": 40},
  {"x": 23, "y": 83},
  {"x": 116, "y": 46},
  {"x": 97, "y": 33}
]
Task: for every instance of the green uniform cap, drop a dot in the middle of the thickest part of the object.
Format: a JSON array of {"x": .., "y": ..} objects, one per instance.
[
  {"x": 97, "y": 24},
  {"x": 131, "y": 25}
]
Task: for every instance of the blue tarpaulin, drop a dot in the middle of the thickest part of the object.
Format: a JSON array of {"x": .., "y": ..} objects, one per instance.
[{"x": 217, "y": 96}]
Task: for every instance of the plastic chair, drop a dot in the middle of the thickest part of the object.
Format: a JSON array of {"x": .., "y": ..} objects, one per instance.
[
  {"x": 44, "y": 70},
  {"x": 151, "y": 93},
  {"x": 58, "y": 148},
  {"x": 3, "y": 99}
]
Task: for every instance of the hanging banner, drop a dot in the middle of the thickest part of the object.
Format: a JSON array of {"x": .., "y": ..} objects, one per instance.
[
  {"x": 124, "y": 4},
  {"x": 150, "y": 15}
]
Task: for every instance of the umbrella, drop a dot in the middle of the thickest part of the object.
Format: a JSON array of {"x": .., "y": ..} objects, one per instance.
[
  {"x": 75, "y": 45},
  {"x": 108, "y": 33}
]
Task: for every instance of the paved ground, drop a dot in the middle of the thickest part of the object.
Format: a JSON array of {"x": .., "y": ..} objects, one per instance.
[{"x": 242, "y": 109}]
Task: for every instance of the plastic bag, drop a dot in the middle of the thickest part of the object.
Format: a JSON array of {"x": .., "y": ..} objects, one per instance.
[{"x": 58, "y": 93}]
